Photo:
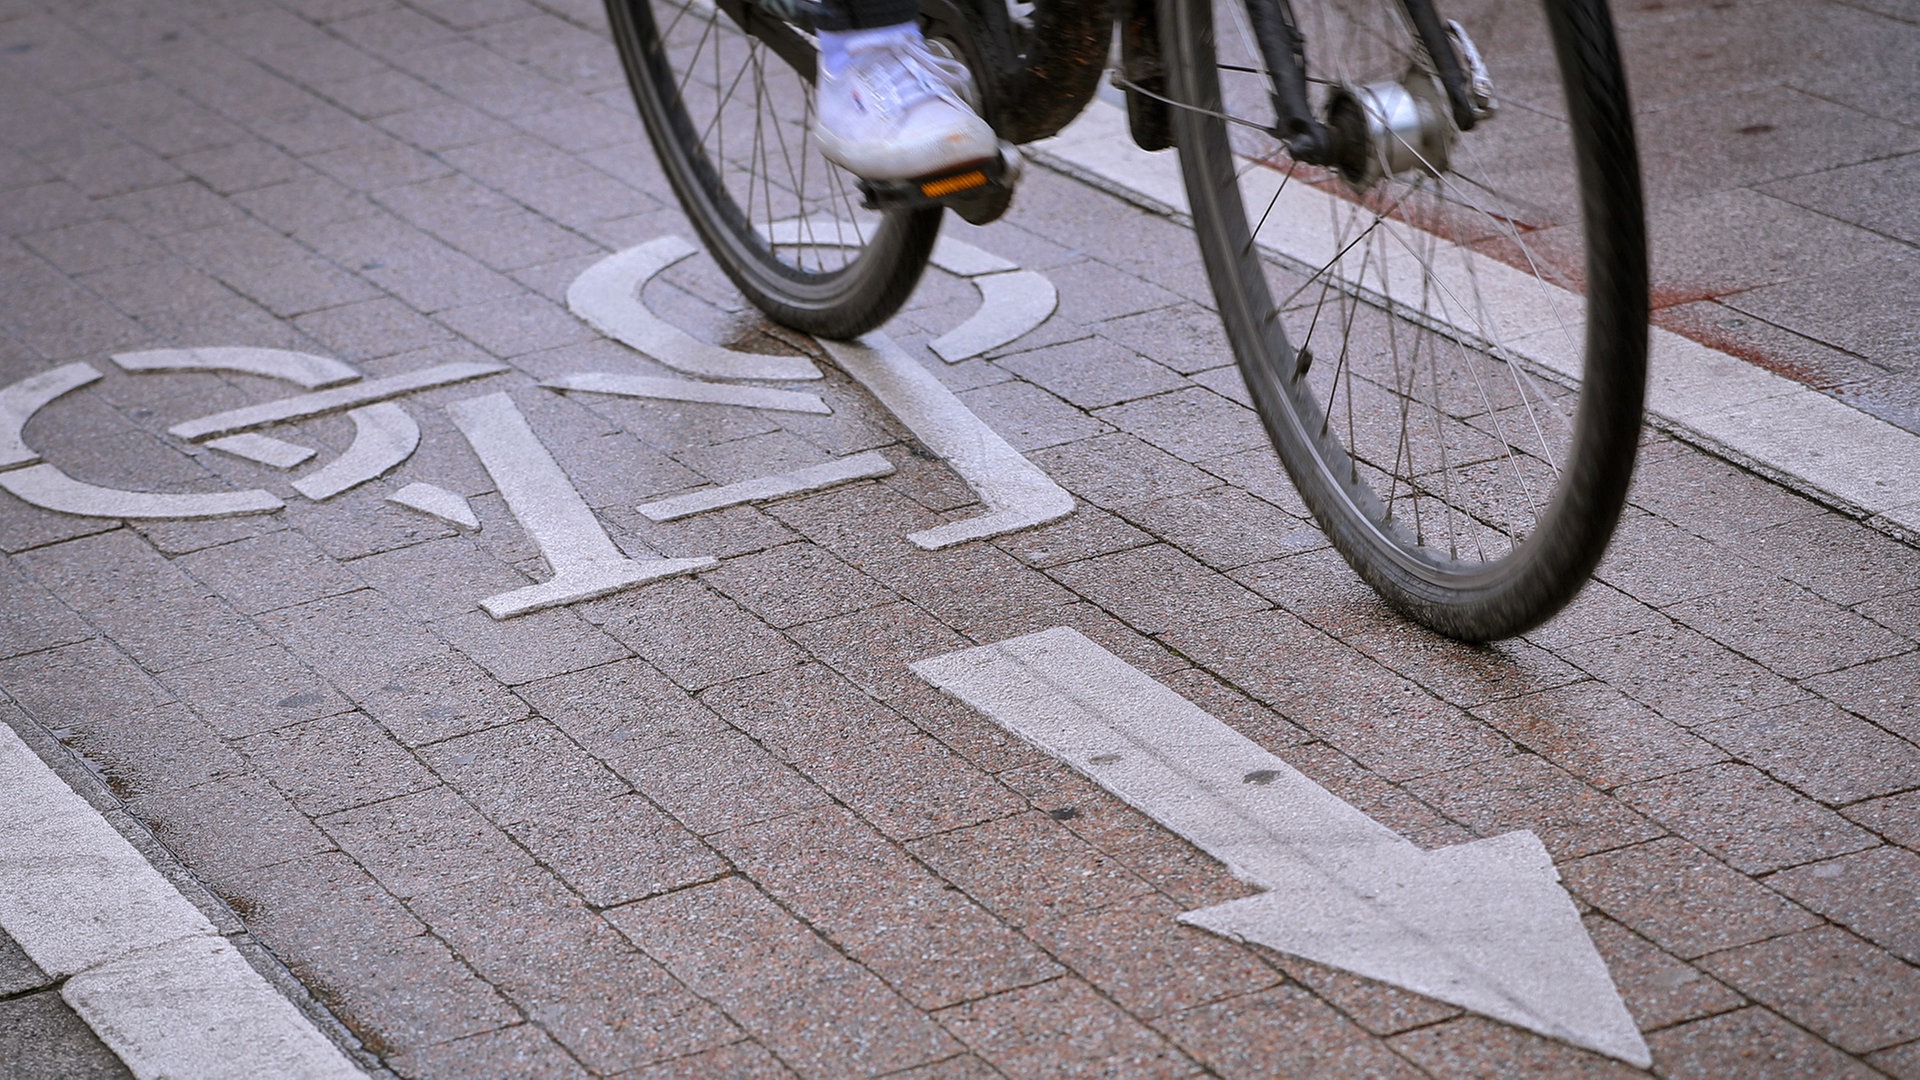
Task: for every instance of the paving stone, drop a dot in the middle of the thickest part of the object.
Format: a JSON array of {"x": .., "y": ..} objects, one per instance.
[
  {"x": 608, "y": 1004},
  {"x": 745, "y": 1060},
  {"x": 1057, "y": 872},
  {"x": 1832, "y": 983},
  {"x": 1599, "y": 735},
  {"x": 1880, "y": 691},
  {"x": 1869, "y": 892},
  {"x": 75, "y": 685},
  {"x": 691, "y": 633},
  {"x": 1156, "y": 588},
  {"x": 1110, "y": 470},
  {"x": 1279, "y": 1031},
  {"x": 872, "y": 648},
  {"x": 230, "y": 826},
  {"x": 32, "y": 619},
  {"x": 1896, "y": 817},
  {"x": 621, "y": 709},
  {"x": 1029, "y": 417},
  {"x": 866, "y": 755},
  {"x": 1224, "y": 527},
  {"x": 1740, "y": 815},
  {"x": 720, "y": 781},
  {"x": 573, "y": 814},
  {"x": 1870, "y": 330},
  {"x": 520, "y": 1050},
  {"x": 1193, "y": 425},
  {"x": 1521, "y": 791},
  {"x": 1821, "y": 751},
  {"x": 796, "y": 583},
  {"x": 1149, "y": 964},
  {"x": 1661, "y": 564},
  {"x": 1682, "y": 899},
  {"x": 1460, "y": 674},
  {"x": 1092, "y": 372},
  {"x": 1788, "y": 629},
  {"x": 1900, "y": 1061},
  {"x": 537, "y": 645},
  {"x": 18, "y": 973},
  {"x": 1061, "y": 1028},
  {"x": 930, "y": 943},
  {"x": 790, "y": 990},
  {"x": 1318, "y": 586},
  {"x": 1682, "y": 674},
  {"x": 369, "y": 961},
  {"x": 250, "y": 692},
  {"x": 1659, "y": 990},
  {"x": 1749, "y": 1042},
  {"x": 1878, "y": 195},
  {"x": 1476, "y": 1046},
  {"x": 42, "y": 1038},
  {"x": 336, "y": 763},
  {"x": 277, "y": 570},
  {"x": 1385, "y": 722}
]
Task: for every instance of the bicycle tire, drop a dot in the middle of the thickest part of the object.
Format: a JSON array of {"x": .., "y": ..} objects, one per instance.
[
  {"x": 1552, "y": 549},
  {"x": 796, "y": 245}
]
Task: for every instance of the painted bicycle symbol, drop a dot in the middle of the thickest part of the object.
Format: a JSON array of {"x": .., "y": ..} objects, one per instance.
[{"x": 583, "y": 558}]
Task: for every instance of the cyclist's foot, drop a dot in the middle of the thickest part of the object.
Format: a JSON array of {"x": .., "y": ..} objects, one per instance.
[{"x": 887, "y": 108}]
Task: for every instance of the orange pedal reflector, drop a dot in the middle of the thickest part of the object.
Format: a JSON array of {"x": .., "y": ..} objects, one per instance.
[{"x": 934, "y": 189}]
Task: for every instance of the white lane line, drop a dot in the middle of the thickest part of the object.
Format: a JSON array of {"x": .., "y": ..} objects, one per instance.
[
  {"x": 302, "y": 369},
  {"x": 1795, "y": 435},
  {"x": 1017, "y": 494},
  {"x": 144, "y": 968},
  {"x": 812, "y": 478},
  {"x": 1484, "y": 925},
  {"x": 384, "y": 436},
  {"x": 1011, "y": 304},
  {"x": 436, "y": 501},
  {"x": 326, "y": 401},
  {"x": 19, "y": 401},
  {"x": 649, "y": 386},
  {"x": 607, "y": 297},
  {"x": 50, "y": 489},
  {"x": 264, "y": 449},
  {"x": 585, "y": 562}
]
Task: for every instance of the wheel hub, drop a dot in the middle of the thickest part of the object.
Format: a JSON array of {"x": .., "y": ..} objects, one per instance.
[{"x": 1389, "y": 128}]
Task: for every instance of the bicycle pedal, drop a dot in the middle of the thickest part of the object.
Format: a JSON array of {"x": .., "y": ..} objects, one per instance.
[{"x": 979, "y": 191}]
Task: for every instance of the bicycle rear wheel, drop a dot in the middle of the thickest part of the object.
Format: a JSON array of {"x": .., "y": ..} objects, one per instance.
[
  {"x": 727, "y": 113},
  {"x": 1446, "y": 334}
]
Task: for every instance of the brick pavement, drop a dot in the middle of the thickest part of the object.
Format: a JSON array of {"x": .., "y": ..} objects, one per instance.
[{"x": 713, "y": 826}]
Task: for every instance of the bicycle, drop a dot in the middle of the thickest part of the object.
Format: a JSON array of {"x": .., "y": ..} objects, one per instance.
[{"x": 1473, "y": 484}]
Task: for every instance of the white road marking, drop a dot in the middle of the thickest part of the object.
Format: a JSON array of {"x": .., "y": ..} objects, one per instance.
[
  {"x": 1775, "y": 426},
  {"x": 384, "y": 436},
  {"x": 1483, "y": 925},
  {"x": 607, "y": 297},
  {"x": 143, "y": 967},
  {"x": 1011, "y": 305},
  {"x": 302, "y": 369},
  {"x": 264, "y": 449},
  {"x": 647, "y": 386},
  {"x": 961, "y": 259},
  {"x": 50, "y": 489},
  {"x": 436, "y": 501},
  {"x": 1017, "y": 495},
  {"x": 813, "y": 478},
  {"x": 585, "y": 562},
  {"x": 21, "y": 400},
  {"x": 326, "y": 401}
]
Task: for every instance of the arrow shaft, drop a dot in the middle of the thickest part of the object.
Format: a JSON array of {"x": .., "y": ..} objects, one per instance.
[{"x": 1168, "y": 758}]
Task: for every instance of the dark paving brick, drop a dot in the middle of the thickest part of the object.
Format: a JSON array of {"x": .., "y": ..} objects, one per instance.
[
  {"x": 1597, "y": 734},
  {"x": 1157, "y": 588},
  {"x": 41, "y": 1038},
  {"x": 520, "y": 1050},
  {"x": 1224, "y": 527},
  {"x": 1896, "y": 817},
  {"x": 746, "y": 1060},
  {"x": 1521, "y": 791},
  {"x": 1870, "y": 892},
  {"x": 1659, "y": 989},
  {"x": 1149, "y": 964},
  {"x": 929, "y": 942},
  {"x": 1751, "y": 1042},
  {"x": 1279, "y": 1031},
  {"x": 1831, "y": 983},
  {"x": 1055, "y": 872},
  {"x": 691, "y": 633},
  {"x": 1062, "y": 1028},
  {"x": 1880, "y": 691},
  {"x": 1682, "y": 899},
  {"x": 1821, "y": 751},
  {"x": 818, "y": 1010},
  {"x": 1681, "y": 674},
  {"x": 1739, "y": 814},
  {"x": 796, "y": 583},
  {"x": 1788, "y": 629},
  {"x": 1476, "y": 1046},
  {"x": 336, "y": 763},
  {"x": 32, "y": 619},
  {"x": 230, "y": 826}
]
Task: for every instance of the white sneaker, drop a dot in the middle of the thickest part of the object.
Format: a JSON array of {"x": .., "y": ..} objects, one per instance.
[{"x": 893, "y": 110}]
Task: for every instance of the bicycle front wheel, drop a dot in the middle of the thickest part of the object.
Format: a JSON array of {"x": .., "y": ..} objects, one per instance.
[
  {"x": 1445, "y": 332},
  {"x": 728, "y": 115}
]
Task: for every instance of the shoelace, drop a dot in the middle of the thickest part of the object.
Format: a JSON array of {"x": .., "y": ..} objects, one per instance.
[{"x": 914, "y": 72}]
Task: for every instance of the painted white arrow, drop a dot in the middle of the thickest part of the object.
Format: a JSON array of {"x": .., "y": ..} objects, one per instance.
[{"x": 1483, "y": 925}]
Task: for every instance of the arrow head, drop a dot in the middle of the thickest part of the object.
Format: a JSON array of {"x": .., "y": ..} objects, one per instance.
[{"x": 1485, "y": 926}]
